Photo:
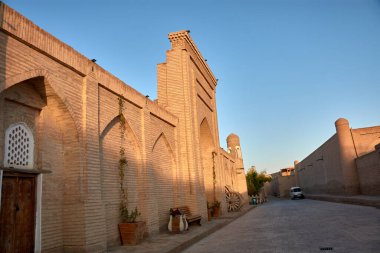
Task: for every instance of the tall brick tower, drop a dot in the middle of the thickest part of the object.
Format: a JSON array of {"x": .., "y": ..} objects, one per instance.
[
  {"x": 347, "y": 155},
  {"x": 233, "y": 144},
  {"x": 186, "y": 88},
  {"x": 234, "y": 148}
]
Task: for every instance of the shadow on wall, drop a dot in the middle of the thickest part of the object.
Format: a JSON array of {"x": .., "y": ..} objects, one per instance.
[
  {"x": 34, "y": 104},
  {"x": 369, "y": 172},
  {"x": 208, "y": 164}
]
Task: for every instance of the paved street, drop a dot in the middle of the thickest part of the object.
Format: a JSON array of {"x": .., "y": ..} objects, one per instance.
[{"x": 298, "y": 226}]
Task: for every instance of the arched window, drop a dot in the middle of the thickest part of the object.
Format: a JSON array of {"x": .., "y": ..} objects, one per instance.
[
  {"x": 19, "y": 147},
  {"x": 238, "y": 152}
]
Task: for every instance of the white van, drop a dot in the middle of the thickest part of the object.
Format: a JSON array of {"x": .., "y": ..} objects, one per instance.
[{"x": 296, "y": 192}]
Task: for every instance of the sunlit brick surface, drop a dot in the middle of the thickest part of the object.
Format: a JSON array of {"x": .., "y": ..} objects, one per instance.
[{"x": 70, "y": 104}]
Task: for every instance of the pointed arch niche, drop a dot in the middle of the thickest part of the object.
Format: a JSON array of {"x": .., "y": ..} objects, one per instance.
[
  {"x": 207, "y": 155},
  {"x": 163, "y": 173},
  {"x": 109, "y": 160},
  {"x": 35, "y": 118}
]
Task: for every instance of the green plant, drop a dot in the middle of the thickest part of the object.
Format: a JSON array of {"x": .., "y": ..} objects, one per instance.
[
  {"x": 127, "y": 216},
  {"x": 216, "y": 204},
  {"x": 122, "y": 166},
  {"x": 255, "y": 181},
  {"x": 213, "y": 174}
]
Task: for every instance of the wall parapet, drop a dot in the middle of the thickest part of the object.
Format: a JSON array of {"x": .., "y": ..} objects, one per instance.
[
  {"x": 162, "y": 114},
  {"x": 19, "y": 27},
  {"x": 177, "y": 39},
  {"x": 367, "y": 130},
  {"x": 226, "y": 155}
]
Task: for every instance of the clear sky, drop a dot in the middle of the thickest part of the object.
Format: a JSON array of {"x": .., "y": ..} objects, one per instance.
[{"x": 287, "y": 69}]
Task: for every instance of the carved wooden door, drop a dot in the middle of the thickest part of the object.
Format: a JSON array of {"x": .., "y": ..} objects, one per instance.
[{"x": 17, "y": 218}]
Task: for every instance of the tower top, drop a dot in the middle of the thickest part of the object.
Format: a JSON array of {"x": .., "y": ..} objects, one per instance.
[
  {"x": 341, "y": 121},
  {"x": 177, "y": 37},
  {"x": 233, "y": 139},
  {"x": 183, "y": 40}
]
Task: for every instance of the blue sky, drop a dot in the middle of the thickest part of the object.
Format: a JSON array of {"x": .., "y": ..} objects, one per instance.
[{"x": 287, "y": 69}]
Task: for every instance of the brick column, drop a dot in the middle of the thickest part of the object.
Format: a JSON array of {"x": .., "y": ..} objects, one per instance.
[
  {"x": 147, "y": 188},
  {"x": 95, "y": 228}
]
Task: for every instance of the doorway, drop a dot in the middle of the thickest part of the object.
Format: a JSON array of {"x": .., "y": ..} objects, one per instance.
[{"x": 17, "y": 217}]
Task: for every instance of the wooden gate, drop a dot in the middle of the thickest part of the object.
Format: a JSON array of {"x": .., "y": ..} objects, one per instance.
[{"x": 17, "y": 218}]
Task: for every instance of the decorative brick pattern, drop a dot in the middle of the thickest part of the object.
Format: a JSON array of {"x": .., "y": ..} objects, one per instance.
[{"x": 19, "y": 147}]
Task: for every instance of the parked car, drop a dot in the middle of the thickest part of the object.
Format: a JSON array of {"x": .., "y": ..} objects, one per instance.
[{"x": 296, "y": 192}]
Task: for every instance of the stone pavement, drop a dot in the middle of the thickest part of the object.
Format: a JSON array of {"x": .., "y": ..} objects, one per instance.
[
  {"x": 363, "y": 200},
  {"x": 166, "y": 242},
  {"x": 284, "y": 225}
]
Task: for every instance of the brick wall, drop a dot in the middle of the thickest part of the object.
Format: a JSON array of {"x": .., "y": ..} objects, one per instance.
[
  {"x": 280, "y": 185},
  {"x": 331, "y": 168},
  {"x": 365, "y": 139},
  {"x": 369, "y": 172},
  {"x": 320, "y": 172},
  {"x": 71, "y": 105}
]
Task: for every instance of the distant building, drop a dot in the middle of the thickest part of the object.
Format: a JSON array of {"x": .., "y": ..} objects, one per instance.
[
  {"x": 347, "y": 164},
  {"x": 287, "y": 171},
  {"x": 281, "y": 183}
]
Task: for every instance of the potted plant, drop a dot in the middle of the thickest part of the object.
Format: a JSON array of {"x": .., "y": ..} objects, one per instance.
[
  {"x": 131, "y": 231},
  {"x": 216, "y": 208}
]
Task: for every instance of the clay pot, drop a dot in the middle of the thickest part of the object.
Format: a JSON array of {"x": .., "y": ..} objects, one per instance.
[
  {"x": 132, "y": 233},
  {"x": 215, "y": 212}
]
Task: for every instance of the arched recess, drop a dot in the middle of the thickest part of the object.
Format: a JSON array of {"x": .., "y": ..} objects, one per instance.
[
  {"x": 48, "y": 79},
  {"x": 207, "y": 149},
  {"x": 110, "y": 144},
  {"x": 30, "y": 99},
  {"x": 163, "y": 174}
]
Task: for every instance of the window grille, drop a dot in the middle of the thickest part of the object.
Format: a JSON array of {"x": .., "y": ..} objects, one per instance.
[{"x": 19, "y": 147}]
